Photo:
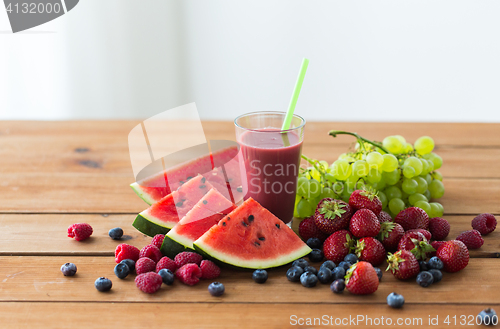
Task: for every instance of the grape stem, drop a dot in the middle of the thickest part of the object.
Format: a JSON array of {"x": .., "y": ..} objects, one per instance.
[
  {"x": 360, "y": 139},
  {"x": 314, "y": 164}
]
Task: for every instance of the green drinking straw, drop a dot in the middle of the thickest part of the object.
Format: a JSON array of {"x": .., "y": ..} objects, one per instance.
[{"x": 295, "y": 95}]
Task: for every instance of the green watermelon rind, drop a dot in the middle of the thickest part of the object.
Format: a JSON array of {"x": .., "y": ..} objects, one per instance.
[
  {"x": 140, "y": 192},
  {"x": 151, "y": 226},
  {"x": 170, "y": 247}
]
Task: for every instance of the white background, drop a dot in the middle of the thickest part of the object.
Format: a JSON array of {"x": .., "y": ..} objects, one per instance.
[{"x": 370, "y": 60}]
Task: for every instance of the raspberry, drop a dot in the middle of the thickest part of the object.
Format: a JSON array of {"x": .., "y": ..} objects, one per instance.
[
  {"x": 126, "y": 251},
  {"x": 148, "y": 282},
  {"x": 484, "y": 223},
  {"x": 187, "y": 257},
  {"x": 439, "y": 228},
  {"x": 144, "y": 265},
  {"x": 80, "y": 231},
  {"x": 209, "y": 270},
  {"x": 189, "y": 274},
  {"x": 166, "y": 263},
  {"x": 472, "y": 239},
  {"x": 152, "y": 252},
  {"x": 158, "y": 240},
  {"x": 308, "y": 229}
]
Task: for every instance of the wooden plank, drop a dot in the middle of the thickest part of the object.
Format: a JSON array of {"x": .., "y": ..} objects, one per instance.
[
  {"x": 220, "y": 315},
  {"x": 28, "y": 278}
]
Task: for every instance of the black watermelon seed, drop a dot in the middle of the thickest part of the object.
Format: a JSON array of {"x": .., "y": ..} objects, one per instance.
[
  {"x": 190, "y": 177},
  {"x": 205, "y": 201},
  {"x": 257, "y": 244},
  {"x": 223, "y": 223},
  {"x": 230, "y": 180},
  {"x": 244, "y": 224},
  {"x": 228, "y": 218},
  {"x": 182, "y": 182},
  {"x": 203, "y": 180},
  {"x": 277, "y": 225},
  {"x": 239, "y": 189},
  {"x": 178, "y": 204},
  {"x": 203, "y": 186},
  {"x": 262, "y": 238},
  {"x": 250, "y": 218}
]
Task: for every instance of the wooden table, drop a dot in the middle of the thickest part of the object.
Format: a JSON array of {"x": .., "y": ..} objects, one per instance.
[{"x": 54, "y": 174}]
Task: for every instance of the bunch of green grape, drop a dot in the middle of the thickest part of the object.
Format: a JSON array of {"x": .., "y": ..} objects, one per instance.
[{"x": 404, "y": 175}]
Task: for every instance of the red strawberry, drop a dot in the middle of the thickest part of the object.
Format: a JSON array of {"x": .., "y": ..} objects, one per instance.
[
  {"x": 472, "y": 239},
  {"x": 209, "y": 270},
  {"x": 144, "y": 265},
  {"x": 361, "y": 279},
  {"x": 370, "y": 250},
  {"x": 152, "y": 252},
  {"x": 435, "y": 245},
  {"x": 403, "y": 264},
  {"x": 384, "y": 217},
  {"x": 308, "y": 229},
  {"x": 332, "y": 215},
  {"x": 417, "y": 244},
  {"x": 189, "y": 274},
  {"x": 126, "y": 251},
  {"x": 187, "y": 257},
  {"x": 390, "y": 234},
  {"x": 365, "y": 199},
  {"x": 454, "y": 255},
  {"x": 484, "y": 223},
  {"x": 439, "y": 227},
  {"x": 166, "y": 263},
  {"x": 426, "y": 233},
  {"x": 338, "y": 245},
  {"x": 364, "y": 223},
  {"x": 158, "y": 240},
  {"x": 80, "y": 231},
  {"x": 413, "y": 217}
]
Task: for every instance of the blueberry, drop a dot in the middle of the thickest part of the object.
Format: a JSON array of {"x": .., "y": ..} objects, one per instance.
[
  {"x": 337, "y": 286},
  {"x": 115, "y": 233},
  {"x": 328, "y": 264},
  {"x": 316, "y": 256},
  {"x": 345, "y": 265},
  {"x": 215, "y": 288},
  {"x": 122, "y": 270},
  {"x": 68, "y": 269},
  {"x": 436, "y": 274},
  {"x": 167, "y": 276},
  {"x": 395, "y": 300},
  {"x": 425, "y": 279},
  {"x": 338, "y": 273},
  {"x": 436, "y": 263},
  {"x": 325, "y": 275},
  {"x": 488, "y": 317},
  {"x": 308, "y": 279},
  {"x": 301, "y": 263},
  {"x": 311, "y": 269},
  {"x": 379, "y": 273},
  {"x": 424, "y": 266},
  {"x": 351, "y": 258},
  {"x": 314, "y": 243},
  {"x": 130, "y": 263},
  {"x": 259, "y": 276},
  {"x": 293, "y": 274},
  {"x": 103, "y": 284}
]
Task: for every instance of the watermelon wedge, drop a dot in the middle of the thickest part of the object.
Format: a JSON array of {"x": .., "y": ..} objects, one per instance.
[
  {"x": 251, "y": 237},
  {"x": 163, "y": 215},
  {"x": 211, "y": 208}
]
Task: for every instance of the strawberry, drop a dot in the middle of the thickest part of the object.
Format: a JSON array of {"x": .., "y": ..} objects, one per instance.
[
  {"x": 435, "y": 245},
  {"x": 307, "y": 230},
  {"x": 361, "y": 279},
  {"x": 426, "y": 233},
  {"x": 413, "y": 217},
  {"x": 338, "y": 245},
  {"x": 364, "y": 223},
  {"x": 439, "y": 227},
  {"x": 417, "y": 244},
  {"x": 332, "y": 215},
  {"x": 403, "y": 264},
  {"x": 365, "y": 199},
  {"x": 454, "y": 255},
  {"x": 390, "y": 234},
  {"x": 472, "y": 239},
  {"x": 484, "y": 223},
  {"x": 370, "y": 250},
  {"x": 384, "y": 217}
]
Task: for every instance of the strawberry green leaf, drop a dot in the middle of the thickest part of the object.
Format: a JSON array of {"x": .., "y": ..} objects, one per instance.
[{"x": 331, "y": 209}]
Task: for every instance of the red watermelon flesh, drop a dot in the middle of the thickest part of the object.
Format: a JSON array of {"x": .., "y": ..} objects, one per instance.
[{"x": 252, "y": 237}]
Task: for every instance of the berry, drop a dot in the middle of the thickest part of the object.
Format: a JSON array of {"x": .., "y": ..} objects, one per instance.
[
  {"x": 417, "y": 244},
  {"x": 425, "y": 279},
  {"x": 68, "y": 269},
  {"x": 328, "y": 264},
  {"x": 384, "y": 217},
  {"x": 472, "y": 239},
  {"x": 435, "y": 263},
  {"x": 308, "y": 279},
  {"x": 216, "y": 289},
  {"x": 293, "y": 274},
  {"x": 345, "y": 265},
  {"x": 308, "y": 230},
  {"x": 484, "y": 223},
  {"x": 403, "y": 264},
  {"x": 413, "y": 217},
  {"x": 189, "y": 274},
  {"x": 126, "y": 251},
  {"x": 324, "y": 275},
  {"x": 259, "y": 276},
  {"x": 337, "y": 286},
  {"x": 332, "y": 215},
  {"x": 209, "y": 270},
  {"x": 425, "y": 233},
  {"x": 435, "y": 245},
  {"x": 338, "y": 273},
  {"x": 436, "y": 274},
  {"x": 361, "y": 279},
  {"x": 144, "y": 265},
  {"x": 362, "y": 199},
  {"x": 121, "y": 270},
  {"x": 166, "y": 263},
  {"x": 370, "y": 250},
  {"x": 187, "y": 257},
  {"x": 300, "y": 263},
  {"x": 316, "y": 255},
  {"x": 379, "y": 273},
  {"x": 152, "y": 252},
  {"x": 148, "y": 282},
  {"x": 314, "y": 243},
  {"x": 130, "y": 263},
  {"x": 439, "y": 228},
  {"x": 167, "y": 276},
  {"x": 454, "y": 255},
  {"x": 157, "y": 240},
  {"x": 351, "y": 258},
  {"x": 115, "y": 233},
  {"x": 364, "y": 223},
  {"x": 390, "y": 234},
  {"x": 80, "y": 231},
  {"x": 423, "y": 265},
  {"x": 395, "y": 300},
  {"x": 338, "y": 245},
  {"x": 103, "y": 284},
  {"x": 488, "y": 317},
  {"x": 311, "y": 269}
]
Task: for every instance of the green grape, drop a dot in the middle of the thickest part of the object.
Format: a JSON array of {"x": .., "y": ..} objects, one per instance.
[
  {"x": 393, "y": 192},
  {"x": 425, "y": 167},
  {"x": 422, "y": 184},
  {"x": 360, "y": 168},
  {"x": 375, "y": 159},
  {"x": 314, "y": 188},
  {"x": 383, "y": 199},
  {"x": 350, "y": 183},
  {"x": 314, "y": 174},
  {"x": 412, "y": 199},
  {"x": 346, "y": 194},
  {"x": 391, "y": 177},
  {"x": 435, "y": 210},
  {"x": 379, "y": 186},
  {"x": 374, "y": 176},
  {"x": 390, "y": 163},
  {"x": 409, "y": 185},
  {"x": 409, "y": 172},
  {"x": 342, "y": 156},
  {"x": 423, "y": 205},
  {"x": 304, "y": 208},
  {"x": 329, "y": 177},
  {"x": 415, "y": 163},
  {"x": 396, "y": 205},
  {"x": 393, "y": 144},
  {"x": 437, "y": 189},
  {"x": 327, "y": 193},
  {"x": 424, "y": 145},
  {"x": 338, "y": 187},
  {"x": 303, "y": 186},
  {"x": 430, "y": 163},
  {"x": 436, "y": 160},
  {"x": 437, "y": 176},
  {"x": 427, "y": 194},
  {"x": 324, "y": 164},
  {"x": 341, "y": 169},
  {"x": 428, "y": 179},
  {"x": 407, "y": 148},
  {"x": 401, "y": 138}
]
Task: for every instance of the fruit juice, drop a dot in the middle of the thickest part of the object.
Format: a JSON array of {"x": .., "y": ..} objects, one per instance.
[{"x": 270, "y": 163}]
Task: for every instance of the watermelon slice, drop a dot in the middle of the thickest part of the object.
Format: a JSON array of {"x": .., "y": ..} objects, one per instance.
[
  {"x": 211, "y": 208},
  {"x": 251, "y": 237},
  {"x": 163, "y": 215}
]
